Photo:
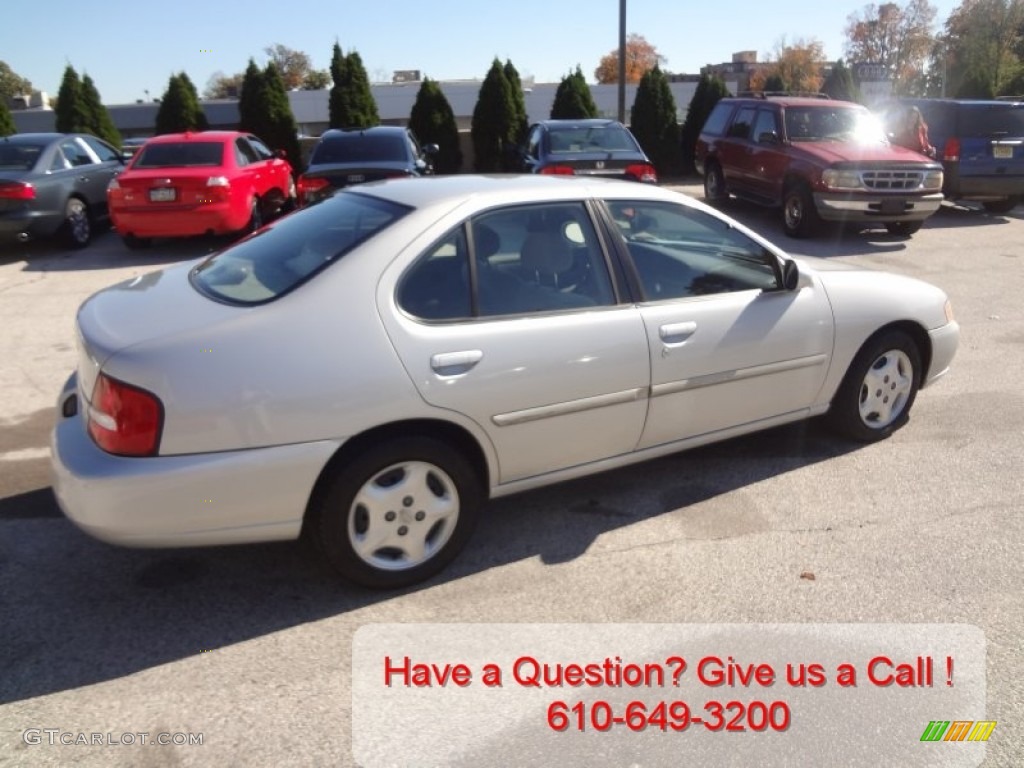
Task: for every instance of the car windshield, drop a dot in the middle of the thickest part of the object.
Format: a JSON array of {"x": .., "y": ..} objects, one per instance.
[
  {"x": 830, "y": 123},
  {"x": 178, "y": 154},
  {"x": 290, "y": 251},
  {"x": 359, "y": 148},
  {"x": 598, "y": 138},
  {"x": 18, "y": 156}
]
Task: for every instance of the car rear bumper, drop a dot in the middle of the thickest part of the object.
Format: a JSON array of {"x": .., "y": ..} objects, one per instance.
[
  {"x": 844, "y": 207},
  {"x": 945, "y": 341},
  {"x": 215, "y": 219},
  {"x": 230, "y": 497},
  {"x": 31, "y": 223},
  {"x": 984, "y": 187}
]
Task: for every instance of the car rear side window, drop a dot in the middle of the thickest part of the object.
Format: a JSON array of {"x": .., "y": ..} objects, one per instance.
[
  {"x": 715, "y": 124},
  {"x": 180, "y": 154},
  {"x": 740, "y": 128},
  {"x": 294, "y": 249}
]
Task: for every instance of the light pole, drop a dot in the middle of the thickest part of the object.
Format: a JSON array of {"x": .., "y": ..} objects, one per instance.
[{"x": 622, "y": 61}]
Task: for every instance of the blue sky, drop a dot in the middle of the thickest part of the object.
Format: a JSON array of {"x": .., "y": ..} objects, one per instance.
[{"x": 129, "y": 47}]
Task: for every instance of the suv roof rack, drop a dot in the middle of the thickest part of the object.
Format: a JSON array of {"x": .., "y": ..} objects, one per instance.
[{"x": 769, "y": 94}]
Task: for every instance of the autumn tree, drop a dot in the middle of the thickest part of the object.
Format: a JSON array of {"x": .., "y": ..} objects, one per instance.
[
  {"x": 708, "y": 92},
  {"x": 495, "y": 122},
  {"x": 11, "y": 83},
  {"x": 653, "y": 122},
  {"x": 798, "y": 68},
  {"x": 981, "y": 49},
  {"x": 840, "y": 83},
  {"x": 573, "y": 100},
  {"x": 100, "y": 122},
  {"x": 432, "y": 121},
  {"x": 292, "y": 65},
  {"x": 221, "y": 86},
  {"x": 72, "y": 114},
  {"x": 899, "y": 37},
  {"x": 641, "y": 56},
  {"x": 316, "y": 80}
]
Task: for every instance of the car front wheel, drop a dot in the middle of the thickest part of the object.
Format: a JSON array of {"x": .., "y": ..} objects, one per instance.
[
  {"x": 1001, "y": 206},
  {"x": 714, "y": 184},
  {"x": 77, "y": 226},
  {"x": 903, "y": 228},
  {"x": 799, "y": 216},
  {"x": 398, "y": 513},
  {"x": 878, "y": 391}
]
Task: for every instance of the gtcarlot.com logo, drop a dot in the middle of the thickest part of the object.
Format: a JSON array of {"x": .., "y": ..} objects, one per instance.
[{"x": 54, "y": 736}]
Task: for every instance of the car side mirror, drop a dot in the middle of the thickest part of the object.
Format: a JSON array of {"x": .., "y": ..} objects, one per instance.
[
  {"x": 790, "y": 275},
  {"x": 280, "y": 154},
  {"x": 431, "y": 149},
  {"x": 768, "y": 137}
]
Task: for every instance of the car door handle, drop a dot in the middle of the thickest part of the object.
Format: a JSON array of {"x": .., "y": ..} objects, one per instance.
[
  {"x": 677, "y": 333},
  {"x": 455, "y": 363}
]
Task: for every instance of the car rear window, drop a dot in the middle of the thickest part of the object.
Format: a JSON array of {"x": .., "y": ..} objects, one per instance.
[
  {"x": 179, "y": 154},
  {"x": 291, "y": 251},
  {"x": 992, "y": 120},
  {"x": 19, "y": 157},
  {"x": 359, "y": 148},
  {"x": 602, "y": 138}
]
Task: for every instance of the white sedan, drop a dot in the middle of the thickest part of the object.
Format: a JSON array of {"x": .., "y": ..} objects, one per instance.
[{"x": 370, "y": 370}]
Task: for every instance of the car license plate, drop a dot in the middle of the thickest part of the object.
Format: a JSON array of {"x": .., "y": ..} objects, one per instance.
[
  {"x": 893, "y": 206},
  {"x": 1001, "y": 152},
  {"x": 162, "y": 195},
  {"x": 356, "y": 178}
]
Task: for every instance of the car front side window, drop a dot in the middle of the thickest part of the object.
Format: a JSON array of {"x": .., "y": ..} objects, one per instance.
[
  {"x": 679, "y": 252},
  {"x": 76, "y": 153}
]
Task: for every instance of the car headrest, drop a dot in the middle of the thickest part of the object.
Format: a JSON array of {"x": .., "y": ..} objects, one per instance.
[{"x": 546, "y": 253}]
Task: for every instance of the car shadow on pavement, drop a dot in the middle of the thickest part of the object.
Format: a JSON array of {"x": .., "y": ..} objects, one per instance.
[{"x": 77, "y": 611}]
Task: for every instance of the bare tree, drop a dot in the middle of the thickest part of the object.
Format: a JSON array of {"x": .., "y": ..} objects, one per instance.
[
  {"x": 899, "y": 37},
  {"x": 221, "y": 86},
  {"x": 292, "y": 65}
]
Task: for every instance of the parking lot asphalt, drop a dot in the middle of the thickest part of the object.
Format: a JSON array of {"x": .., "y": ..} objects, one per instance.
[{"x": 251, "y": 646}]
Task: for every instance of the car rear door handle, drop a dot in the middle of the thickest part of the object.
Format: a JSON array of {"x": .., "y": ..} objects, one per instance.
[
  {"x": 455, "y": 363},
  {"x": 677, "y": 333}
]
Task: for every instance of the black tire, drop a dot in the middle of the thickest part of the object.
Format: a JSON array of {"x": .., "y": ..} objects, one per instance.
[
  {"x": 77, "y": 223},
  {"x": 136, "y": 243},
  {"x": 714, "y": 184},
  {"x": 255, "y": 218},
  {"x": 879, "y": 388},
  {"x": 903, "y": 228},
  {"x": 799, "y": 216},
  {"x": 1001, "y": 206},
  {"x": 420, "y": 473},
  {"x": 291, "y": 202}
]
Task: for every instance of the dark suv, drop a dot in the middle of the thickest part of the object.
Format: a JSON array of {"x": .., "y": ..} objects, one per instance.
[
  {"x": 980, "y": 144},
  {"x": 817, "y": 159}
]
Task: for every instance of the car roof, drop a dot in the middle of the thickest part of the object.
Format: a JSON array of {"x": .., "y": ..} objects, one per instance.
[
  {"x": 196, "y": 136},
  {"x": 24, "y": 138},
  {"x": 499, "y": 189},
  {"x": 792, "y": 101},
  {"x": 385, "y": 129},
  {"x": 585, "y": 121}
]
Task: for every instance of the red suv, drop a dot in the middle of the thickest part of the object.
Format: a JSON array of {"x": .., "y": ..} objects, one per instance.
[{"x": 817, "y": 159}]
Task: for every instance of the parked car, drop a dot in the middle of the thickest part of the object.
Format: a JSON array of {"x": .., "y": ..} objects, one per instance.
[
  {"x": 817, "y": 160},
  {"x": 585, "y": 148},
  {"x": 129, "y": 147},
  {"x": 370, "y": 369},
  {"x": 341, "y": 158},
  {"x": 209, "y": 182},
  {"x": 980, "y": 144},
  {"x": 54, "y": 184}
]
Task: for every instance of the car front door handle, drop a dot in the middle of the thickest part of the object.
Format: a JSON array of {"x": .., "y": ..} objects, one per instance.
[
  {"x": 677, "y": 333},
  {"x": 455, "y": 363}
]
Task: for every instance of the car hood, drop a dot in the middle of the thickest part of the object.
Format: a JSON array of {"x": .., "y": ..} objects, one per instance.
[{"x": 835, "y": 152}]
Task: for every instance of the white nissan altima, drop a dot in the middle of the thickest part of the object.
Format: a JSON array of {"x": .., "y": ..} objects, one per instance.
[{"x": 370, "y": 370}]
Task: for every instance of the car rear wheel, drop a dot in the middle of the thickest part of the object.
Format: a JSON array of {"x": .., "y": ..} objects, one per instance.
[
  {"x": 879, "y": 389},
  {"x": 255, "y": 217},
  {"x": 799, "y": 216},
  {"x": 714, "y": 184},
  {"x": 903, "y": 228},
  {"x": 398, "y": 513},
  {"x": 1001, "y": 206},
  {"x": 77, "y": 226}
]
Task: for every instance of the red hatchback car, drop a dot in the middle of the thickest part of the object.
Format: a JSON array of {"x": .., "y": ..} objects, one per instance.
[{"x": 211, "y": 182}]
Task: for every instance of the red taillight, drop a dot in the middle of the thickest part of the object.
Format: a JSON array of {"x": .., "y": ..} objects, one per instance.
[
  {"x": 124, "y": 420},
  {"x": 951, "y": 152},
  {"x": 558, "y": 170},
  {"x": 17, "y": 190},
  {"x": 642, "y": 172},
  {"x": 307, "y": 188}
]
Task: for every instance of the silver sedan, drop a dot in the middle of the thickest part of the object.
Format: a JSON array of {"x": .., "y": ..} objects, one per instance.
[{"x": 370, "y": 370}]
